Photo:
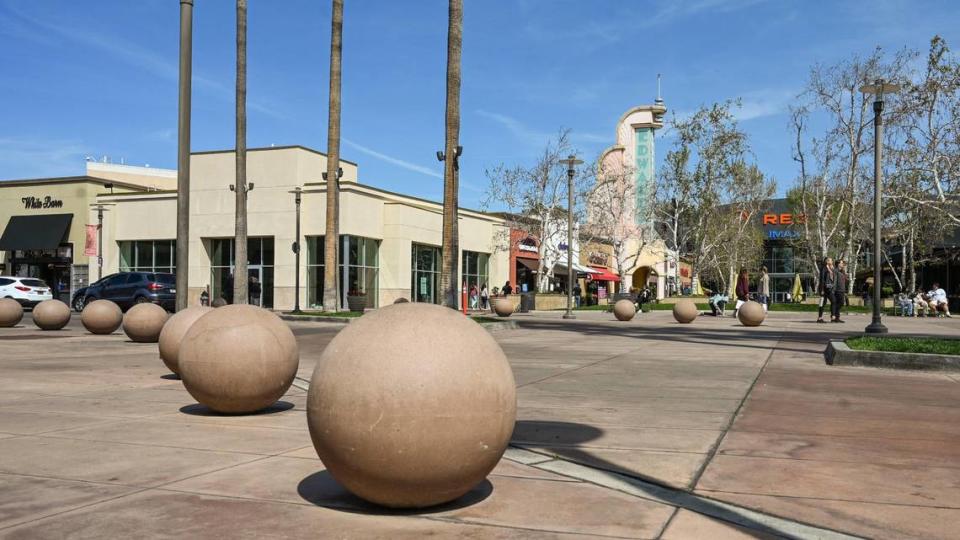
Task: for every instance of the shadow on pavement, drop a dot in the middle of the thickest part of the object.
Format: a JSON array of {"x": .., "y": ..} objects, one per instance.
[
  {"x": 321, "y": 489},
  {"x": 170, "y": 377},
  {"x": 202, "y": 410}
]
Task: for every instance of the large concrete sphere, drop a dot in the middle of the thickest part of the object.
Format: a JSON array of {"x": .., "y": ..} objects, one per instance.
[
  {"x": 400, "y": 300},
  {"x": 101, "y": 317},
  {"x": 51, "y": 315},
  {"x": 11, "y": 312},
  {"x": 238, "y": 359},
  {"x": 173, "y": 331},
  {"x": 219, "y": 302},
  {"x": 502, "y": 307},
  {"x": 685, "y": 311},
  {"x": 417, "y": 416},
  {"x": 751, "y": 314},
  {"x": 144, "y": 322},
  {"x": 624, "y": 310}
]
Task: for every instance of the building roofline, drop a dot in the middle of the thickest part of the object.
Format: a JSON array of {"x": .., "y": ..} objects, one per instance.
[
  {"x": 265, "y": 148},
  {"x": 656, "y": 108},
  {"x": 72, "y": 180},
  {"x": 356, "y": 186}
]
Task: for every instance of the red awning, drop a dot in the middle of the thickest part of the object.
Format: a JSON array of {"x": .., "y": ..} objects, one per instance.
[{"x": 604, "y": 275}]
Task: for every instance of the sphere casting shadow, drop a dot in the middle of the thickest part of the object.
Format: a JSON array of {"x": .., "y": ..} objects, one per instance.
[
  {"x": 751, "y": 314},
  {"x": 173, "y": 331},
  {"x": 624, "y": 310},
  {"x": 411, "y": 406},
  {"x": 51, "y": 315},
  {"x": 144, "y": 322},
  {"x": 219, "y": 302},
  {"x": 199, "y": 409},
  {"x": 11, "y": 313},
  {"x": 101, "y": 317},
  {"x": 238, "y": 359},
  {"x": 322, "y": 489},
  {"x": 502, "y": 307},
  {"x": 685, "y": 311},
  {"x": 400, "y": 300}
]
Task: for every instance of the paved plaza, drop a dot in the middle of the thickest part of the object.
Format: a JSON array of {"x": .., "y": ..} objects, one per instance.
[{"x": 645, "y": 429}]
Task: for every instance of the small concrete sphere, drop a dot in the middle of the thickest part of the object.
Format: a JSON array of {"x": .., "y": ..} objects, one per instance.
[
  {"x": 51, "y": 315},
  {"x": 173, "y": 331},
  {"x": 219, "y": 302},
  {"x": 400, "y": 300},
  {"x": 144, "y": 322},
  {"x": 11, "y": 312},
  {"x": 238, "y": 359},
  {"x": 624, "y": 310},
  {"x": 417, "y": 416},
  {"x": 502, "y": 307},
  {"x": 101, "y": 317},
  {"x": 751, "y": 314},
  {"x": 685, "y": 311}
]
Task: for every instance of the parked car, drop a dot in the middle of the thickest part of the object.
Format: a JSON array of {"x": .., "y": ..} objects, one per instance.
[
  {"x": 28, "y": 291},
  {"x": 129, "y": 288}
]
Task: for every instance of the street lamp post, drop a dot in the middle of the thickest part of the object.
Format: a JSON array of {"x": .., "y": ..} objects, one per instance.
[
  {"x": 878, "y": 89},
  {"x": 571, "y": 274},
  {"x": 101, "y": 208},
  {"x": 296, "y": 250}
]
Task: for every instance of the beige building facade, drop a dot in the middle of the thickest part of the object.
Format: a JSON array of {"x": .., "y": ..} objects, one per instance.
[{"x": 390, "y": 243}]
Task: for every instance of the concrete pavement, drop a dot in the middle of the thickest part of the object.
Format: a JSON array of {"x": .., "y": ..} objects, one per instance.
[{"x": 97, "y": 441}]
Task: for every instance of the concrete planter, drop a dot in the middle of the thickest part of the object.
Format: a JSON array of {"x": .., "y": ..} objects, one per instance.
[
  {"x": 839, "y": 354},
  {"x": 357, "y": 303}
]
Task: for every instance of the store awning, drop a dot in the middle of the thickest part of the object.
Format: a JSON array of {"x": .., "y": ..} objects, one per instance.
[
  {"x": 44, "y": 231},
  {"x": 561, "y": 268},
  {"x": 603, "y": 274},
  {"x": 531, "y": 264}
]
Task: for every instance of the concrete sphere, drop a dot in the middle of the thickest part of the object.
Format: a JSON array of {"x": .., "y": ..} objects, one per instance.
[
  {"x": 502, "y": 307},
  {"x": 238, "y": 359},
  {"x": 173, "y": 331},
  {"x": 219, "y": 302},
  {"x": 417, "y": 416},
  {"x": 144, "y": 322},
  {"x": 624, "y": 310},
  {"x": 101, "y": 317},
  {"x": 685, "y": 311},
  {"x": 11, "y": 312},
  {"x": 751, "y": 314},
  {"x": 400, "y": 300},
  {"x": 51, "y": 315}
]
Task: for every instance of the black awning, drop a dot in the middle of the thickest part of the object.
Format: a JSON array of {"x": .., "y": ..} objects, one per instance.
[
  {"x": 531, "y": 264},
  {"x": 45, "y": 231}
]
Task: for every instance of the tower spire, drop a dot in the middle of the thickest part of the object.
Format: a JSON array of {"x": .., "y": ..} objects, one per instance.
[{"x": 659, "y": 100}]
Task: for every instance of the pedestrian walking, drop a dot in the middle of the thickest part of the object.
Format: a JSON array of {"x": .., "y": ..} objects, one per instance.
[
  {"x": 742, "y": 291},
  {"x": 764, "y": 288},
  {"x": 828, "y": 282},
  {"x": 839, "y": 290}
]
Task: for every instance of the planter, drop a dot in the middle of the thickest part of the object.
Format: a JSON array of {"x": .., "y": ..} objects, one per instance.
[{"x": 357, "y": 303}]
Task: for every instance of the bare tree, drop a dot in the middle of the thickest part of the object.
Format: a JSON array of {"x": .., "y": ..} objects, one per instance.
[
  {"x": 741, "y": 238},
  {"x": 240, "y": 186},
  {"x": 331, "y": 274},
  {"x": 611, "y": 218},
  {"x": 451, "y": 171}
]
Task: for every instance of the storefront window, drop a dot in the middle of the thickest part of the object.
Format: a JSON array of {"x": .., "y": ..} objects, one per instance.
[
  {"x": 147, "y": 256},
  {"x": 359, "y": 276},
  {"x": 259, "y": 268},
  {"x": 475, "y": 269},
  {"x": 425, "y": 274}
]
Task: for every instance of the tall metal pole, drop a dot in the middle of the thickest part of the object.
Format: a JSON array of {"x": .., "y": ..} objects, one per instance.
[
  {"x": 296, "y": 250},
  {"x": 878, "y": 88},
  {"x": 571, "y": 273},
  {"x": 183, "y": 154},
  {"x": 99, "y": 242}
]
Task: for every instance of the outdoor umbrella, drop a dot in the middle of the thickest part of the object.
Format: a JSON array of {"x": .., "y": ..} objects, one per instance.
[{"x": 797, "y": 292}]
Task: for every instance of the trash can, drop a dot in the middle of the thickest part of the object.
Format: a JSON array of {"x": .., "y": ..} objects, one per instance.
[{"x": 528, "y": 302}]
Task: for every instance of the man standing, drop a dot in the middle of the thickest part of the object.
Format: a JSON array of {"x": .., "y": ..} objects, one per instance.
[
  {"x": 764, "y": 288},
  {"x": 839, "y": 291}
]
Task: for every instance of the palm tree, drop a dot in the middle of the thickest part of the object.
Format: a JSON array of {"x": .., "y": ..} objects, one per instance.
[
  {"x": 451, "y": 244},
  {"x": 330, "y": 298},
  {"x": 240, "y": 242}
]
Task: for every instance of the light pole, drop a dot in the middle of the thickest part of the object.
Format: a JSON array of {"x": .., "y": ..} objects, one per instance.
[
  {"x": 101, "y": 208},
  {"x": 296, "y": 250},
  {"x": 571, "y": 274},
  {"x": 878, "y": 89}
]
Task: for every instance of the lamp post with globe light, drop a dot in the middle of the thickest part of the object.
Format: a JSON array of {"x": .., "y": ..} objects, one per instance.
[{"x": 571, "y": 273}]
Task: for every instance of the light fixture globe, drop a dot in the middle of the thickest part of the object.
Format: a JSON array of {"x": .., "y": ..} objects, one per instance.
[
  {"x": 173, "y": 331},
  {"x": 51, "y": 315},
  {"x": 101, "y": 317},
  {"x": 751, "y": 314},
  {"x": 11, "y": 312},
  {"x": 238, "y": 359},
  {"x": 418, "y": 415},
  {"x": 624, "y": 310},
  {"x": 143, "y": 322},
  {"x": 685, "y": 311}
]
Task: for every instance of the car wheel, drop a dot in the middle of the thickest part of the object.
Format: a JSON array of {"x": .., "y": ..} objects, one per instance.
[
  {"x": 141, "y": 300},
  {"x": 78, "y": 304}
]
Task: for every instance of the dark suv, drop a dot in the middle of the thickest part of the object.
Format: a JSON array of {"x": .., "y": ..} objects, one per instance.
[{"x": 129, "y": 288}]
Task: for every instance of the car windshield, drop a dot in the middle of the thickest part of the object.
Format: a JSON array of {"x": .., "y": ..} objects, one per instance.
[
  {"x": 166, "y": 279},
  {"x": 33, "y": 282}
]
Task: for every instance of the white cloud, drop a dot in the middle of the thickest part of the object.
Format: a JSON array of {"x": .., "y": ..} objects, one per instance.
[
  {"x": 539, "y": 138},
  {"x": 392, "y": 160}
]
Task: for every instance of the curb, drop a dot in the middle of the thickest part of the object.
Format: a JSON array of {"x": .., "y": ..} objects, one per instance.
[
  {"x": 316, "y": 318},
  {"x": 839, "y": 353}
]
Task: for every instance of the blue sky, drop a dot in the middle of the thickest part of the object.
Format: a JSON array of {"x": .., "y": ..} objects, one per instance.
[{"x": 100, "y": 77}]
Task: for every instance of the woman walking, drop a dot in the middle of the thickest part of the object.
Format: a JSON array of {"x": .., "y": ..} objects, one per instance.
[
  {"x": 828, "y": 283},
  {"x": 743, "y": 290},
  {"x": 840, "y": 290}
]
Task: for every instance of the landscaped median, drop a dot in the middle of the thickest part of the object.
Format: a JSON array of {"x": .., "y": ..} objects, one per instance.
[
  {"x": 493, "y": 324},
  {"x": 896, "y": 352}
]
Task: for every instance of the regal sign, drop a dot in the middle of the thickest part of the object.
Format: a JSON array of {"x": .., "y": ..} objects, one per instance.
[
  {"x": 784, "y": 219},
  {"x": 36, "y": 203}
]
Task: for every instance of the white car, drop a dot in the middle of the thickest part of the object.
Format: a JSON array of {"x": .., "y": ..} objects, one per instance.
[{"x": 27, "y": 291}]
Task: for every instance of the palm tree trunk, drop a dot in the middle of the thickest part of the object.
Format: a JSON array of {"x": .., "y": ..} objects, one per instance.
[
  {"x": 331, "y": 239},
  {"x": 240, "y": 241},
  {"x": 451, "y": 243},
  {"x": 183, "y": 153}
]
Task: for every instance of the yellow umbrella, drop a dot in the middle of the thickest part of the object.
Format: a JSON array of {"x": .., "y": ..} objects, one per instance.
[
  {"x": 797, "y": 292},
  {"x": 698, "y": 291}
]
